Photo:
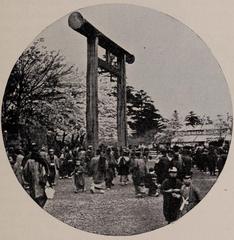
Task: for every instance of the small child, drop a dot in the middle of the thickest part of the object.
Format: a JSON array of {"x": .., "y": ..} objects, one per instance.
[
  {"x": 151, "y": 183},
  {"x": 78, "y": 177}
]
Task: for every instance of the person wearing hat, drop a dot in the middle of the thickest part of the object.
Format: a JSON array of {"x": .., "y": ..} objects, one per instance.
[
  {"x": 190, "y": 195},
  {"x": 170, "y": 189}
]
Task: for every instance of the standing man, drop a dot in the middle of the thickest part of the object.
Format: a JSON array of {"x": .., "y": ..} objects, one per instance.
[
  {"x": 212, "y": 160},
  {"x": 187, "y": 161},
  {"x": 78, "y": 177},
  {"x": 139, "y": 171},
  {"x": 62, "y": 164},
  {"x": 178, "y": 163},
  {"x": 123, "y": 167},
  {"x": 110, "y": 170},
  {"x": 88, "y": 156},
  {"x": 161, "y": 168},
  {"x": 36, "y": 173},
  {"x": 67, "y": 162},
  {"x": 170, "y": 189},
  {"x": 97, "y": 170},
  {"x": 54, "y": 166}
]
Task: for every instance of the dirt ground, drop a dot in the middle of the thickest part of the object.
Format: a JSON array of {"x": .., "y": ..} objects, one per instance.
[{"x": 116, "y": 212}]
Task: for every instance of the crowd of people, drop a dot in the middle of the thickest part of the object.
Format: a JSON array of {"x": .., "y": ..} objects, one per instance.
[{"x": 170, "y": 175}]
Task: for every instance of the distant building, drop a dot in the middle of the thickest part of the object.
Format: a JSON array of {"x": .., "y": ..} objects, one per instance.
[{"x": 189, "y": 135}]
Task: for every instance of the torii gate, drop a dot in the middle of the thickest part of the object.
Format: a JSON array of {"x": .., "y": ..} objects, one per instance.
[{"x": 95, "y": 38}]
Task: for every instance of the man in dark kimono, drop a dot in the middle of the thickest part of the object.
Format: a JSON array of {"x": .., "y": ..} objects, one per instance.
[
  {"x": 204, "y": 160},
  {"x": 170, "y": 189},
  {"x": 212, "y": 158},
  {"x": 161, "y": 168},
  {"x": 178, "y": 163},
  {"x": 186, "y": 161}
]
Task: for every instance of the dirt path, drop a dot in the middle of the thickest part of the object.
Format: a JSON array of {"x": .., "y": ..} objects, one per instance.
[{"x": 117, "y": 212}]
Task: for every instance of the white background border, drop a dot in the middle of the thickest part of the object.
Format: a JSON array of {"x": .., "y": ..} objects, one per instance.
[{"x": 20, "y": 22}]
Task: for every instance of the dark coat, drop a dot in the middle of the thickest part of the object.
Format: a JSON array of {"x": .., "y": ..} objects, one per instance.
[
  {"x": 123, "y": 165},
  {"x": 161, "y": 168},
  {"x": 187, "y": 164},
  {"x": 79, "y": 179},
  {"x": 178, "y": 163},
  {"x": 150, "y": 183},
  {"x": 171, "y": 204},
  {"x": 212, "y": 160}
]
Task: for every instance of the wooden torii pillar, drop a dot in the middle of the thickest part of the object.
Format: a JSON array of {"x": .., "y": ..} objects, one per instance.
[{"x": 95, "y": 38}]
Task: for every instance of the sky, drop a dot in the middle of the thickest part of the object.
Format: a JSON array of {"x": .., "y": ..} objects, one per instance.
[{"x": 172, "y": 64}]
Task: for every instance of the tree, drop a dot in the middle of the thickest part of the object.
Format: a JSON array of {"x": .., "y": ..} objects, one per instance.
[
  {"x": 192, "y": 119},
  {"x": 143, "y": 116},
  {"x": 224, "y": 124},
  {"x": 31, "y": 85},
  {"x": 174, "y": 123},
  {"x": 171, "y": 126},
  {"x": 141, "y": 113},
  {"x": 206, "y": 120},
  {"x": 107, "y": 106},
  {"x": 67, "y": 111}
]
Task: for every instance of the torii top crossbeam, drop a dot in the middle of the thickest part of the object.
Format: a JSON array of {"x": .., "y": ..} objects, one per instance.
[
  {"x": 95, "y": 38},
  {"x": 81, "y": 25}
]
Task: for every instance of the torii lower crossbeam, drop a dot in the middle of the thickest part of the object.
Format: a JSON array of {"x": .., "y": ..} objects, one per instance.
[{"x": 95, "y": 38}]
